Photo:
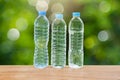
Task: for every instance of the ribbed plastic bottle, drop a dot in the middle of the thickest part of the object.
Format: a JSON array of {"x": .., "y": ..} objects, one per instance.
[
  {"x": 76, "y": 36},
  {"x": 41, "y": 38},
  {"x": 58, "y": 42}
]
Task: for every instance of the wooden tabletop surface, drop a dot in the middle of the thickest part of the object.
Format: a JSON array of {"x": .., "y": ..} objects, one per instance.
[{"x": 85, "y": 73}]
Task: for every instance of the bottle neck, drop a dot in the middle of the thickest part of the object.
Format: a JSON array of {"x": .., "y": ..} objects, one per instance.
[
  {"x": 42, "y": 15},
  {"x": 59, "y": 18},
  {"x": 76, "y": 16}
]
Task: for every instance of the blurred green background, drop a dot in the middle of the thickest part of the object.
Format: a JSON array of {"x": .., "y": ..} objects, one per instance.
[{"x": 102, "y": 29}]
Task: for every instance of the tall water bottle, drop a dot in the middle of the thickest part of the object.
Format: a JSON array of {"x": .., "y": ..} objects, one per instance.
[
  {"x": 58, "y": 42},
  {"x": 76, "y": 35},
  {"x": 41, "y": 38}
]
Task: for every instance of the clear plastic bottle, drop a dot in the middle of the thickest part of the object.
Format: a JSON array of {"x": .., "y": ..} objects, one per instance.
[
  {"x": 41, "y": 38},
  {"x": 76, "y": 35},
  {"x": 58, "y": 42}
]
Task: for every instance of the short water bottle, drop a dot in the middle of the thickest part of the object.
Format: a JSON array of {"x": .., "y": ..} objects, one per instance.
[
  {"x": 76, "y": 36},
  {"x": 41, "y": 38},
  {"x": 58, "y": 42}
]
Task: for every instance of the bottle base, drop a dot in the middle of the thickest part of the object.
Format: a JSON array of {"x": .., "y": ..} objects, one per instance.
[
  {"x": 75, "y": 66},
  {"x": 40, "y": 66}
]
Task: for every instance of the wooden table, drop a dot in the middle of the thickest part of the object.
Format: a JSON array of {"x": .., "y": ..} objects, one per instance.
[{"x": 85, "y": 73}]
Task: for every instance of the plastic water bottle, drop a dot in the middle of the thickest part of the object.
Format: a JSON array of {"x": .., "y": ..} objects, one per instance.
[
  {"x": 58, "y": 42},
  {"x": 76, "y": 35},
  {"x": 41, "y": 38}
]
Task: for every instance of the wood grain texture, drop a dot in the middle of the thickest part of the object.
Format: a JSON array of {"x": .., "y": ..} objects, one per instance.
[{"x": 85, "y": 73}]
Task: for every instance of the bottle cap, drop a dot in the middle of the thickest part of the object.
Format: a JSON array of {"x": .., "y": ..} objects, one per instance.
[
  {"x": 76, "y": 14},
  {"x": 43, "y": 13},
  {"x": 59, "y": 16}
]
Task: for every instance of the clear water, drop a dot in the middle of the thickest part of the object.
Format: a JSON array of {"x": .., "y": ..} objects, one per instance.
[
  {"x": 58, "y": 44},
  {"x": 41, "y": 37},
  {"x": 76, "y": 54}
]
